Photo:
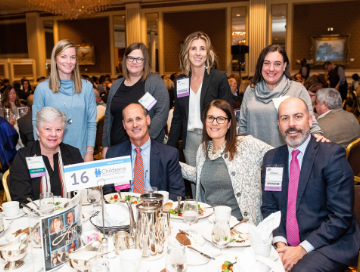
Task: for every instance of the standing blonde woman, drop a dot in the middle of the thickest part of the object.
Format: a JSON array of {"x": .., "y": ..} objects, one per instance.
[
  {"x": 199, "y": 84},
  {"x": 67, "y": 92}
]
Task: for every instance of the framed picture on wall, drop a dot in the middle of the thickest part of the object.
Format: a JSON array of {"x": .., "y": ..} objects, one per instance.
[
  {"x": 334, "y": 48},
  {"x": 86, "y": 55}
]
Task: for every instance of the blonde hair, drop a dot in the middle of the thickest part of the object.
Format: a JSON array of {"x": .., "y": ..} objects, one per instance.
[
  {"x": 54, "y": 81},
  {"x": 52, "y": 224},
  {"x": 147, "y": 66},
  {"x": 211, "y": 59},
  {"x": 169, "y": 84}
]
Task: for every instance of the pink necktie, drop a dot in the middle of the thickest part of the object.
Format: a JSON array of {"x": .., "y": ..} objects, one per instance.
[
  {"x": 292, "y": 227},
  {"x": 139, "y": 184}
]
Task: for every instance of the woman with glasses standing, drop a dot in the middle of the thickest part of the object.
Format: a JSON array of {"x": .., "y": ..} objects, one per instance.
[
  {"x": 227, "y": 168},
  {"x": 138, "y": 85},
  {"x": 199, "y": 84}
]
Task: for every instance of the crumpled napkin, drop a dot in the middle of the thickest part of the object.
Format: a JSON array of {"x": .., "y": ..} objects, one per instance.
[
  {"x": 112, "y": 216},
  {"x": 262, "y": 233},
  {"x": 246, "y": 262}
]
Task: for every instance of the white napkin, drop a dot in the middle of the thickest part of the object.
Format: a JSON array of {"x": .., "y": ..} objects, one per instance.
[
  {"x": 262, "y": 233},
  {"x": 113, "y": 216},
  {"x": 246, "y": 262}
]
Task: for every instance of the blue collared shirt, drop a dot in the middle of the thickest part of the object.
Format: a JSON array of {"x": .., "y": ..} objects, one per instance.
[
  {"x": 302, "y": 148},
  {"x": 145, "y": 153}
]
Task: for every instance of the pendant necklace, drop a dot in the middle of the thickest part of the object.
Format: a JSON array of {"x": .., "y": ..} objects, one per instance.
[{"x": 69, "y": 121}]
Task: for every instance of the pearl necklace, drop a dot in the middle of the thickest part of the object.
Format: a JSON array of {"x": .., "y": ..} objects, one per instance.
[{"x": 214, "y": 155}]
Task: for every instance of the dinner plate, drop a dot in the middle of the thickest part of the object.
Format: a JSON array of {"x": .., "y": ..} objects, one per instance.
[
  {"x": 123, "y": 194},
  {"x": 143, "y": 268},
  {"x": 195, "y": 258},
  {"x": 62, "y": 201},
  {"x": 207, "y": 235},
  {"x": 233, "y": 219},
  {"x": 21, "y": 213},
  {"x": 206, "y": 213}
]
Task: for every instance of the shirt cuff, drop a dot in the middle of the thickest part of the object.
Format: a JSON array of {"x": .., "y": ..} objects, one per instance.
[
  {"x": 307, "y": 246},
  {"x": 279, "y": 239}
]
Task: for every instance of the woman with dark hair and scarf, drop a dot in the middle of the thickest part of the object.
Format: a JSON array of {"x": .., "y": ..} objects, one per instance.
[{"x": 270, "y": 85}]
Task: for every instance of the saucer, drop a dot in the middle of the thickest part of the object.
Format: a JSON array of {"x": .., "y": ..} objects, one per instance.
[
  {"x": 21, "y": 213},
  {"x": 144, "y": 268}
]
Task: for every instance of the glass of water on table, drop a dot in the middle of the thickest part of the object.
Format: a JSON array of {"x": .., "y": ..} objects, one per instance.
[
  {"x": 220, "y": 234},
  {"x": 190, "y": 213},
  {"x": 46, "y": 203}
]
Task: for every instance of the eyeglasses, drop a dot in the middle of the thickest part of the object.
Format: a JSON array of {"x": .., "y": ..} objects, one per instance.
[
  {"x": 137, "y": 60},
  {"x": 220, "y": 120}
]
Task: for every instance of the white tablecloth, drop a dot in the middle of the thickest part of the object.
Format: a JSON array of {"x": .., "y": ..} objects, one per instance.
[{"x": 155, "y": 266}]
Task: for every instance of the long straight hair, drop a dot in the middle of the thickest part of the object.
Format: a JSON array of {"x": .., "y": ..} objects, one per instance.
[
  {"x": 211, "y": 58},
  {"x": 230, "y": 136},
  {"x": 6, "y": 97},
  {"x": 54, "y": 82},
  {"x": 258, "y": 70}
]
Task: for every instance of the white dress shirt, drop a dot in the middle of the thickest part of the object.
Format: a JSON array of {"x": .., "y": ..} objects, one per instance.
[{"x": 194, "y": 119}]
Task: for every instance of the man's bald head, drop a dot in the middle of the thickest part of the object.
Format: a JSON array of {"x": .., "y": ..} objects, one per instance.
[
  {"x": 292, "y": 101},
  {"x": 29, "y": 101}
]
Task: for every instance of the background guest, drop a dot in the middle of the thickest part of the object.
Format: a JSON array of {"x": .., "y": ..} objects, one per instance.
[
  {"x": 100, "y": 105},
  {"x": 338, "y": 125},
  {"x": 337, "y": 78},
  {"x": 197, "y": 59},
  {"x": 26, "y": 89},
  {"x": 226, "y": 164},
  {"x": 8, "y": 140},
  {"x": 10, "y": 100},
  {"x": 66, "y": 91},
  {"x": 312, "y": 89},
  {"x": 137, "y": 81},
  {"x": 305, "y": 69},
  {"x": 25, "y": 123},
  {"x": 235, "y": 93},
  {"x": 170, "y": 87},
  {"x": 50, "y": 126},
  {"x": 270, "y": 84},
  {"x": 355, "y": 84}
]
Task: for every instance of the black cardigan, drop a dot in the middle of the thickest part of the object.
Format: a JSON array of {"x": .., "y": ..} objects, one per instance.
[
  {"x": 215, "y": 86},
  {"x": 21, "y": 184}
]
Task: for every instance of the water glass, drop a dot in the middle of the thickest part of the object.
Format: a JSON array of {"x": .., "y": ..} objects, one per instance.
[
  {"x": 93, "y": 197},
  {"x": 99, "y": 265},
  {"x": 190, "y": 213},
  {"x": 176, "y": 258},
  {"x": 220, "y": 234},
  {"x": 47, "y": 204}
]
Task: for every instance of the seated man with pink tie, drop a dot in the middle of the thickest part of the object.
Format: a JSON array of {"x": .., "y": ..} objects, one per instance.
[
  {"x": 312, "y": 184},
  {"x": 153, "y": 164}
]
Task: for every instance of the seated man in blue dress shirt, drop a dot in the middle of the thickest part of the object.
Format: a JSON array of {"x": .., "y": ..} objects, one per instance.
[
  {"x": 314, "y": 190},
  {"x": 153, "y": 164}
]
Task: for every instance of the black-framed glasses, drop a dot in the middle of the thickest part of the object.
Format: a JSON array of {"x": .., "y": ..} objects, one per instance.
[
  {"x": 137, "y": 60},
  {"x": 220, "y": 119}
]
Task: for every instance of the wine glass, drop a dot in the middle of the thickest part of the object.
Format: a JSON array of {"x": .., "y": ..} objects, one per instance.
[
  {"x": 176, "y": 258},
  {"x": 220, "y": 234},
  {"x": 190, "y": 213},
  {"x": 93, "y": 197}
]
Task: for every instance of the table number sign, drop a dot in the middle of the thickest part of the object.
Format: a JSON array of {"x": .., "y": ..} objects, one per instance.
[{"x": 90, "y": 174}]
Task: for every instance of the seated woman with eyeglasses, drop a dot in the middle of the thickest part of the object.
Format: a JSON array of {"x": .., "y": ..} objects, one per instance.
[
  {"x": 228, "y": 166},
  {"x": 137, "y": 81}
]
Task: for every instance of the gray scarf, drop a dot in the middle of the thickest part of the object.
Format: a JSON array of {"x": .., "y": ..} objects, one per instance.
[{"x": 266, "y": 95}]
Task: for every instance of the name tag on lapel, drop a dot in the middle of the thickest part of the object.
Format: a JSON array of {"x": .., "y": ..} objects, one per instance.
[
  {"x": 273, "y": 178},
  {"x": 182, "y": 87}
]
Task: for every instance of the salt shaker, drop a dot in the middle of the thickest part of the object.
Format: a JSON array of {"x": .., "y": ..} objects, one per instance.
[{"x": 111, "y": 246}]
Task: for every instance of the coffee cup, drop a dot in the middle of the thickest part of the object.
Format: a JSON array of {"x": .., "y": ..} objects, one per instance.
[
  {"x": 11, "y": 208},
  {"x": 166, "y": 196},
  {"x": 262, "y": 249},
  {"x": 222, "y": 213},
  {"x": 130, "y": 260}
]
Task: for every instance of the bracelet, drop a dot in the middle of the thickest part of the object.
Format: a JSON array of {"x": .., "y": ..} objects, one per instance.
[{"x": 90, "y": 150}]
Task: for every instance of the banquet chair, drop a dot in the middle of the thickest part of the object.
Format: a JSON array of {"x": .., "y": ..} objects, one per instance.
[
  {"x": 5, "y": 182},
  {"x": 357, "y": 216},
  {"x": 357, "y": 101},
  {"x": 353, "y": 156},
  {"x": 98, "y": 139}
]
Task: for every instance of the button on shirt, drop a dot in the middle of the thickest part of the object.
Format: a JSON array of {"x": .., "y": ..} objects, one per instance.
[
  {"x": 302, "y": 148},
  {"x": 145, "y": 153}
]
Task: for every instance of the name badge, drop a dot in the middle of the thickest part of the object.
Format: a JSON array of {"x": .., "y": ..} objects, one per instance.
[
  {"x": 36, "y": 166},
  {"x": 273, "y": 178},
  {"x": 92, "y": 174},
  {"x": 278, "y": 100},
  {"x": 182, "y": 87},
  {"x": 148, "y": 101}
]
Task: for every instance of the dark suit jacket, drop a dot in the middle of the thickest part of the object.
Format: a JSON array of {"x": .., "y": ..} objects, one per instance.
[
  {"x": 165, "y": 171},
  {"x": 215, "y": 86},
  {"x": 325, "y": 200},
  {"x": 26, "y": 129},
  {"x": 22, "y": 185}
]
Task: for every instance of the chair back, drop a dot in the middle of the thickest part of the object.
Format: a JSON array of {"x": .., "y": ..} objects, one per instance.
[
  {"x": 353, "y": 156},
  {"x": 6, "y": 184}
]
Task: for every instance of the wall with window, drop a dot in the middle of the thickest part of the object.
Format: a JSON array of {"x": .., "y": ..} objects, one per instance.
[
  {"x": 315, "y": 19},
  {"x": 94, "y": 31}
]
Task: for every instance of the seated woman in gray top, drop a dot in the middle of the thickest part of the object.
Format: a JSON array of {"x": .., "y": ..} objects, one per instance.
[
  {"x": 269, "y": 86},
  {"x": 228, "y": 167}
]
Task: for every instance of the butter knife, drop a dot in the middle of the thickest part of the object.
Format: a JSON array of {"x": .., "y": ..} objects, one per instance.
[
  {"x": 201, "y": 253},
  {"x": 31, "y": 209},
  {"x": 237, "y": 224}
]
